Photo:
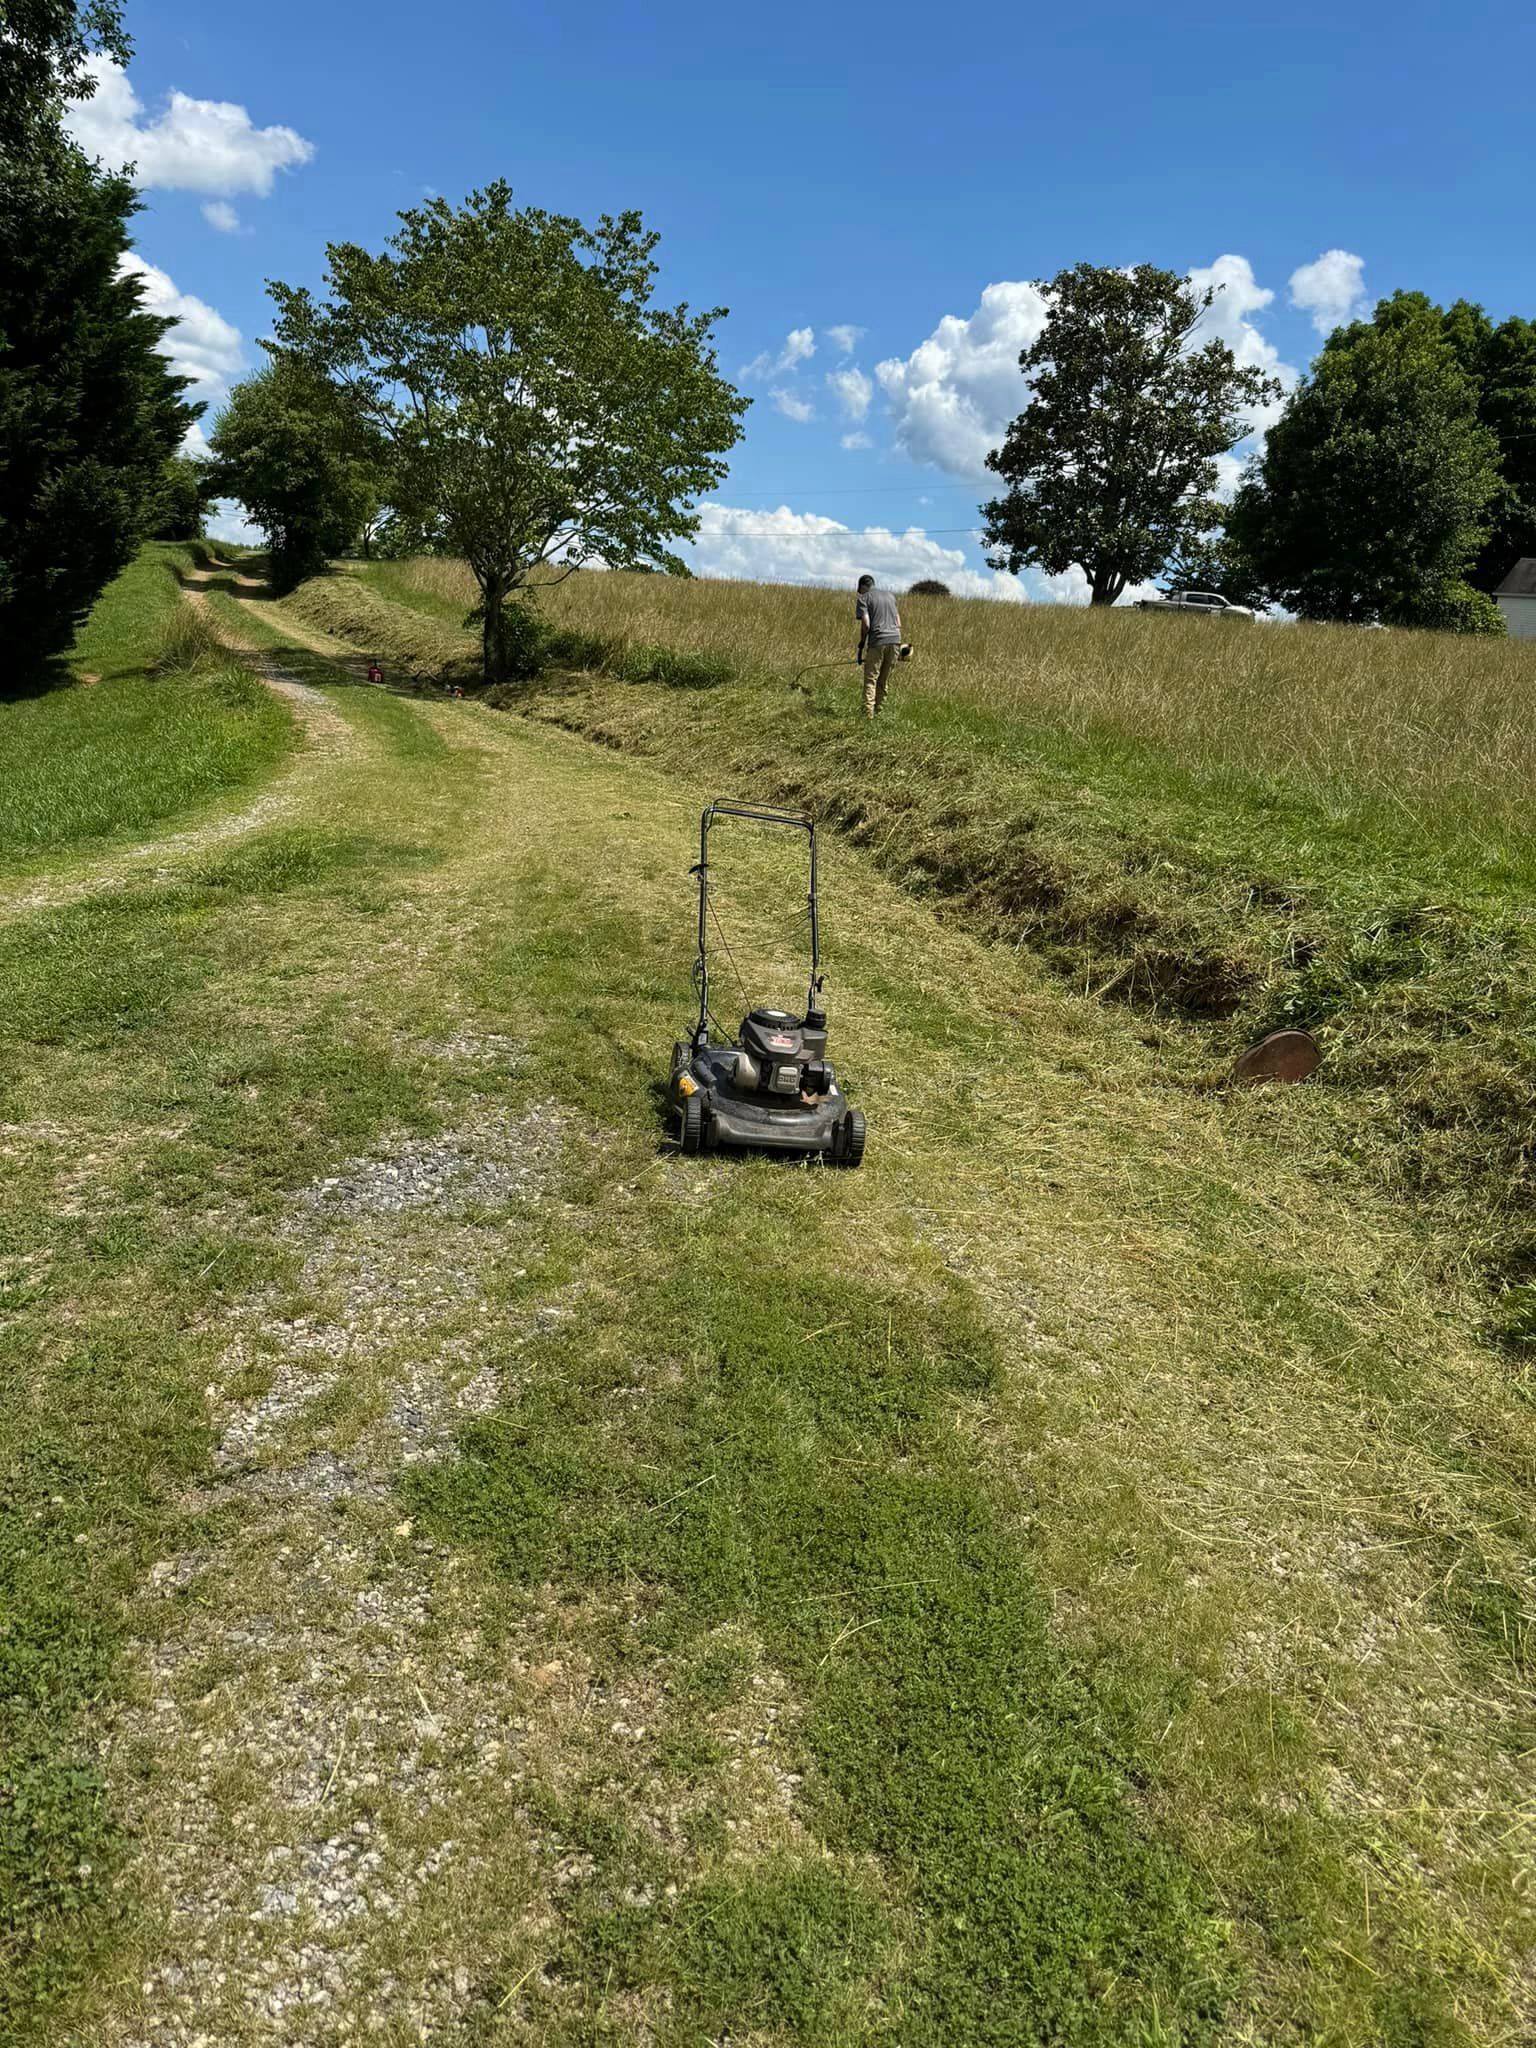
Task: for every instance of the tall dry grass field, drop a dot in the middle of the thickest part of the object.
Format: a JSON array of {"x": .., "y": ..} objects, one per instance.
[{"x": 1437, "y": 729}]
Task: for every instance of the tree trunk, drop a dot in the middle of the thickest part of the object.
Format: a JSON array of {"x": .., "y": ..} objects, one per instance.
[
  {"x": 1107, "y": 585},
  {"x": 493, "y": 649}
]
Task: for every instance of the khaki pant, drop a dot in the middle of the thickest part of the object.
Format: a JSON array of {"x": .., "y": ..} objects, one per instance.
[{"x": 878, "y": 662}]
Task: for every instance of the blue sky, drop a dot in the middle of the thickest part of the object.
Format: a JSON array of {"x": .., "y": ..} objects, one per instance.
[{"x": 899, "y": 175}]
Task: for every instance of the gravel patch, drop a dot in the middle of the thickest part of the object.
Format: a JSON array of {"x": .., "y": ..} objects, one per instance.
[
  {"x": 487, "y": 1166},
  {"x": 345, "y": 1751},
  {"x": 313, "y": 1717}
]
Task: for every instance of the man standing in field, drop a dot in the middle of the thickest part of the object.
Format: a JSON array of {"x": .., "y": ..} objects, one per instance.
[{"x": 879, "y": 641}]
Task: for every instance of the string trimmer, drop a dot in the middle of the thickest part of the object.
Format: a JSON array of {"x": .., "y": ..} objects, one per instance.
[{"x": 903, "y": 653}]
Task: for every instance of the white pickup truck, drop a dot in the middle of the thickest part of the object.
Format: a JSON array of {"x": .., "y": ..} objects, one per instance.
[{"x": 1203, "y": 601}]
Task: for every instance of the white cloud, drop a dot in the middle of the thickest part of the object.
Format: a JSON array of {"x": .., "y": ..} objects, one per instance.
[
  {"x": 858, "y": 441},
  {"x": 221, "y": 215},
  {"x": 793, "y": 408},
  {"x": 784, "y": 546},
  {"x": 953, "y": 397},
  {"x": 1239, "y": 295},
  {"x": 228, "y": 522},
  {"x": 192, "y": 146},
  {"x": 799, "y": 347},
  {"x": 1332, "y": 289},
  {"x": 853, "y": 390},
  {"x": 845, "y": 339},
  {"x": 1072, "y": 587},
  {"x": 201, "y": 345}
]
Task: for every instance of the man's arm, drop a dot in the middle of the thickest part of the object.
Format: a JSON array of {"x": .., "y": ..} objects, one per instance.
[{"x": 861, "y": 613}]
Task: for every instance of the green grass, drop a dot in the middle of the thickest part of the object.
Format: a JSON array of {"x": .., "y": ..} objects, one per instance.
[
  {"x": 1068, "y": 1582},
  {"x": 1228, "y": 833},
  {"x": 125, "y": 1016},
  {"x": 122, "y": 634},
  {"x": 152, "y": 738},
  {"x": 814, "y": 1488}
]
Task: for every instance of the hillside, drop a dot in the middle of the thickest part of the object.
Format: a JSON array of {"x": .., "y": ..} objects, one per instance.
[
  {"x": 1227, "y": 830},
  {"x": 474, "y": 1571}
]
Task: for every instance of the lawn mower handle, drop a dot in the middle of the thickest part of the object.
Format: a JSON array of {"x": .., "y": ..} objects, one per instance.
[{"x": 758, "y": 815}]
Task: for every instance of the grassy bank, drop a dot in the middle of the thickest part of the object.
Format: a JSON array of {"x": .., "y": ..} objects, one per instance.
[
  {"x": 1227, "y": 829},
  {"x": 165, "y": 724},
  {"x": 1425, "y": 729}
]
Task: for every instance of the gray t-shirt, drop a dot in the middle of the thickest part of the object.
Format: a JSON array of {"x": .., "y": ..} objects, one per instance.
[{"x": 877, "y": 613}]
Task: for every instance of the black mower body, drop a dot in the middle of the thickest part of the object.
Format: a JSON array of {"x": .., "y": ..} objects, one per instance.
[
  {"x": 771, "y": 1088},
  {"x": 742, "y": 1101}
]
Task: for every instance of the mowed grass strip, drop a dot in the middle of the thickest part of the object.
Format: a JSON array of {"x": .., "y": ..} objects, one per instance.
[
  {"x": 170, "y": 724},
  {"x": 795, "y": 1473},
  {"x": 1082, "y": 1514},
  {"x": 1229, "y": 830},
  {"x": 157, "y": 1097},
  {"x": 1137, "y": 1454}
]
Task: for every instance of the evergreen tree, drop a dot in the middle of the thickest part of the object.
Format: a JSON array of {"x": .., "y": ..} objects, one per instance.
[{"x": 89, "y": 410}]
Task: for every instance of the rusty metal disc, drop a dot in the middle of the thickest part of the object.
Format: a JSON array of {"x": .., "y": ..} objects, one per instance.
[{"x": 1283, "y": 1056}]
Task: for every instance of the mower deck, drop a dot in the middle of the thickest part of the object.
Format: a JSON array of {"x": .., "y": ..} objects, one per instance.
[{"x": 726, "y": 1116}]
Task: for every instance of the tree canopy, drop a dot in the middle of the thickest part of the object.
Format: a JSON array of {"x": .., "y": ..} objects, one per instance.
[
  {"x": 1112, "y": 464},
  {"x": 1213, "y": 561},
  {"x": 1500, "y": 364},
  {"x": 183, "y": 499},
  {"x": 44, "y": 45},
  {"x": 90, "y": 410},
  {"x": 1373, "y": 495},
  {"x": 537, "y": 410},
  {"x": 283, "y": 448}
]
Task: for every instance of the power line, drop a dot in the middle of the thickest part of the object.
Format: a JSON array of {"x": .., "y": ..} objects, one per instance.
[{"x": 846, "y": 533}]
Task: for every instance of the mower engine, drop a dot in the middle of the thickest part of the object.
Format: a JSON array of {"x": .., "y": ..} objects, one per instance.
[{"x": 778, "y": 1055}]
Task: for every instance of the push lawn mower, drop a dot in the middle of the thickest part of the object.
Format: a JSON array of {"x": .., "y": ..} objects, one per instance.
[{"x": 771, "y": 1087}]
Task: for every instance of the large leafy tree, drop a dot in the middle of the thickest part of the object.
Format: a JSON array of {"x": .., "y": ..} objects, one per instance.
[
  {"x": 89, "y": 409},
  {"x": 289, "y": 452},
  {"x": 183, "y": 499},
  {"x": 44, "y": 45},
  {"x": 540, "y": 412},
  {"x": 1499, "y": 362},
  {"x": 1112, "y": 464},
  {"x": 1372, "y": 497}
]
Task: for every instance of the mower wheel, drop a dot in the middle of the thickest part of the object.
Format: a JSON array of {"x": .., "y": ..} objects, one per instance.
[
  {"x": 850, "y": 1139},
  {"x": 693, "y": 1124}
]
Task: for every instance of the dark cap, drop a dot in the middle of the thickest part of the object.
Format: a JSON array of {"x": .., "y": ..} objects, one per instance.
[{"x": 866, "y": 583}]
